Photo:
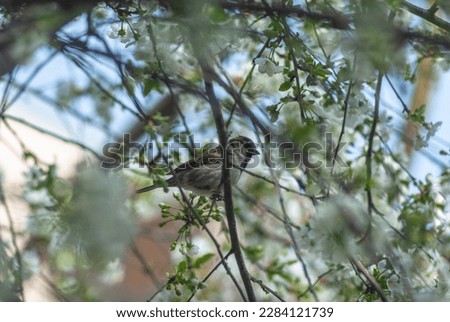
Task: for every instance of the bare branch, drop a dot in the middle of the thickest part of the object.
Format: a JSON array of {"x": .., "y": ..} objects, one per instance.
[
  {"x": 360, "y": 267},
  {"x": 428, "y": 15},
  {"x": 267, "y": 289},
  {"x": 370, "y": 145},
  {"x": 53, "y": 134},
  {"x": 229, "y": 208},
  {"x": 335, "y": 20}
]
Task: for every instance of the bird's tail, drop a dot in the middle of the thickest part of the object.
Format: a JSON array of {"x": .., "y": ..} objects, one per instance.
[{"x": 145, "y": 189}]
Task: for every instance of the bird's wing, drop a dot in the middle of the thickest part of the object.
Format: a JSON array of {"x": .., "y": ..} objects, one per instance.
[{"x": 206, "y": 159}]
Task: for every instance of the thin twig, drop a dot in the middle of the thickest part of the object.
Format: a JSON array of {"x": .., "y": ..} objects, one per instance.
[
  {"x": 405, "y": 107},
  {"x": 264, "y": 207},
  {"x": 427, "y": 15},
  {"x": 360, "y": 267},
  {"x": 336, "y": 20},
  {"x": 341, "y": 134},
  {"x": 288, "y": 41},
  {"x": 52, "y": 134},
  {"x": 220, "y": 263},
  {"x": 23, "y": 87},
  {"x": 71, "y": 111},
  {"x": 54, "y": 288},
  {"x": 169, "y": 87},
  {"x": 145, "y": 266},
  {"x": 125, "y": 81},
  {"x": 267, "y": 289},
  {"x": 247, "y": 79},
  {"x": 319, "y": 42},
  {"x": 160, "y": 289},
  {"x": 280, "y": 185},
  {"x": 288, "y": 228},
  {"x": 199, "y": 219},
  {"x": 295, "y": 246},
  {"x": 315, "y": 283},
  {"x": 7, "y": 90},
  {"x": 373, "y": 129},
  {"x": 16, "y": 135},
  {"x": 87, "y": 72},
  {"x": 17, "y": 253}
]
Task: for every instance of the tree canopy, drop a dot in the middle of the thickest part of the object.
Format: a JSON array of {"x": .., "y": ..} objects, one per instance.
[{"x": 329, "y": 211}]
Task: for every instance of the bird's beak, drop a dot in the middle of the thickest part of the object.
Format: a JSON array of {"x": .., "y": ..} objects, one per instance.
[{"x": 254, "y": 152}]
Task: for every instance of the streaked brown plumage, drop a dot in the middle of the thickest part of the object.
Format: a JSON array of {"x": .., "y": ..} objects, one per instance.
[{"x": 203, "y": 175}]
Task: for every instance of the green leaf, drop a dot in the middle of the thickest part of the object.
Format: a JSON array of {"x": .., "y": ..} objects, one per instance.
[
  {"x": 322, "y": 72},
  {"x": 287, "y": 99},
  {"x": 255, "y": 253},
  {"x": 418, "y": 115},
  {"x": 149, "y": 85},
  {"x": 285, "y": 86},
  {"x": 201, "y": 260},
  {"x": 273, "y": 112},
  {"x": 269, "y": 33},
  {"x": 311, "y": 80},
  {"x": 276, "y": 26},
  {"x": 218, "y": 15},
  {"x": 181, "y": 267}
]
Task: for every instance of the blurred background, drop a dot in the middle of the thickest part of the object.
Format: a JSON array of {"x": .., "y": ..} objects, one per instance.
[{"x": 76, "y": 77}]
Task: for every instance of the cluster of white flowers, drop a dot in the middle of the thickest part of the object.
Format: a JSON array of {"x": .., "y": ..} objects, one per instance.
[
  {"x": 384, "y": 125},
  {"x": 114, "y": 272},
  {"x": 337, "y": 227},
  {"x": 38, "y": 198},
  {"x": 266, "y": 66},
  {"x": 122, "y": 32},
  {"x": 422, "y": 141},
  {"x": 99, "y": 220}
]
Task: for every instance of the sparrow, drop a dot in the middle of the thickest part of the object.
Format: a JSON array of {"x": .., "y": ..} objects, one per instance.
[{"x": 203, "y": 175}]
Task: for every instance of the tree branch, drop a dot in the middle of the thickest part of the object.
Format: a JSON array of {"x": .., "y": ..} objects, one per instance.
[
  {"x": 267, "y": 289},
  {"x": 336, "y": 20},
  {"x": 209, "y": 75},
  {"x": 53, "y": 134},
  {"x": 36, "y": 17},
  {"x": 18, "y": 276},
  {"x": 428, "y": 15},
  {"x": 220, "y": 263},
  {"x": 229, "y": 208},
  {"x": 372, "y": 281},
  {"x": 370, "y": 145},
  {"x": 145, "y": 266},
  {"x": 216, "y": 243}
]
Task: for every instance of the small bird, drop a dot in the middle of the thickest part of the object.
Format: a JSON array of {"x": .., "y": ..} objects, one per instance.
[{"x": 203, "y": 175}]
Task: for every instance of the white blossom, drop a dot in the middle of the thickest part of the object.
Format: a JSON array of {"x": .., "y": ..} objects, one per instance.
[
  {"x": 432, "y": 128},
  {"x": 114, "y": 272},
  {"x": 39, "y": 197},
  {"x": 121, "y": 32},
  {"x": 192, "y": 250},
  {"x": 385, "y": 127},
  {"x": 266, "y": 66},
  {"x": 420, "y": 143}
]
